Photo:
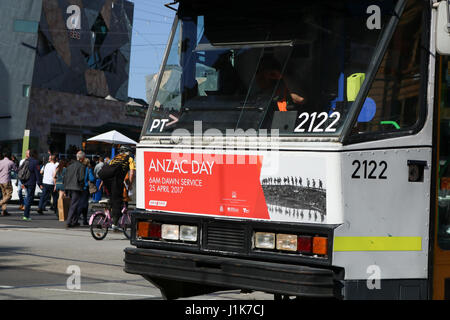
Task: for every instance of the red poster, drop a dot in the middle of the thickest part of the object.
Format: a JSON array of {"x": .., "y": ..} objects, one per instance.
[{"x": 221, "y": 185}]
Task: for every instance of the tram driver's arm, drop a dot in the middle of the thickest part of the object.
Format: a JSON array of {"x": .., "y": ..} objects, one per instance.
[
  {"x": 295, "y": 93},
  {"x": 291, "y": 85}
]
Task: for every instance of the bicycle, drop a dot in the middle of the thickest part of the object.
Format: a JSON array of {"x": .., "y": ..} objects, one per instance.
[{"x": 101, "y": 220}]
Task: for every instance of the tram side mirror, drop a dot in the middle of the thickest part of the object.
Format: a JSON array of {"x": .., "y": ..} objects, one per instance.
[{"x": 443, "y": 28}]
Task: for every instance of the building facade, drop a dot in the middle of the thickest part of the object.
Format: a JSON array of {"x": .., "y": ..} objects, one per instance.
[
  {"x": 62, "y": 59},
  {"x": 19, "y": 22}
]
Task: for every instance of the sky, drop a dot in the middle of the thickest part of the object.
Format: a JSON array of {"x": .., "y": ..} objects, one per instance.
[{"x": 151, "y": 27}]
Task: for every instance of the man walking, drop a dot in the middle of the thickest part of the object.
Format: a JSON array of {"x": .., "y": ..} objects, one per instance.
[
  {"x": 6, "y": 166},
  {"x": 30, "y": 184},
  {"x": 73, "y": 185},
  {"x": 20, "y": 190},
  {"x": 48, "y": 183}
]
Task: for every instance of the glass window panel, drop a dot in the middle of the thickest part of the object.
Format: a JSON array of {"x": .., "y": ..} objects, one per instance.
[
  {"x": 393, "y": 102},
  {"x": 257, "y": 71},
  {"x": 26, "y": 90},
  {"x": 444, "y": 156},
  {"x": 26, "y": 26}
]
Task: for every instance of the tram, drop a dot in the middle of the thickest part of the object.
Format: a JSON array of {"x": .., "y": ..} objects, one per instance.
[{"x": 300, "y": 149}]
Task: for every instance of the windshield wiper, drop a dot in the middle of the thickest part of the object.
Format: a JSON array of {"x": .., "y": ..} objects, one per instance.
[
  {"x": 235, "y": 108},
  {"x": 243, "y": 45}
]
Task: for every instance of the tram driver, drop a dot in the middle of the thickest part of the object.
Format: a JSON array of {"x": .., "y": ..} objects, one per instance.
[{"x": 270, "y": 80}]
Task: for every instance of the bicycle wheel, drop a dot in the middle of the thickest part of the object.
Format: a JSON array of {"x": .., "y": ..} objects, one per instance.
[
  {"x": 125, "y": 223},
  {"x": 99, "y": 226}
]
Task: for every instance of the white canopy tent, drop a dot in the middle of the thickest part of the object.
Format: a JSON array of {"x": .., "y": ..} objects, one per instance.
[{"x": 114, "y": 137}]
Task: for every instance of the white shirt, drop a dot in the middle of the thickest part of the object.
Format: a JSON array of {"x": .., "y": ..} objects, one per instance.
[{"x": 49, "y": 171}]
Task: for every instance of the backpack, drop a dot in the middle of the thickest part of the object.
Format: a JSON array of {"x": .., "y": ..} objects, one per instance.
[
  {"x": 110, "y": 171},
  {"x": 24, "y": 172}
]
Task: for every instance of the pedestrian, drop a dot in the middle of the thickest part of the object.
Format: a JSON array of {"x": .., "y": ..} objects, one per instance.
[
  {"x": 58, "y": 178},
  {"x": 116, "y": 184},
  {"x": 48, "y": 172},
  {"x": 106, "y": 191},
  {"x": 127, "y": 190},
  {"x": 73, "y": 186},
  {"x": 6, "y": 167},
  {"x": 84, "y": 201},
  {"x": 98, "y": 182},
  {"x": 20, "y": 190},
  {"x": 18, "y": 184},
  {"x": 15, "y": 160},
  {"x": 29, "y": 185}
]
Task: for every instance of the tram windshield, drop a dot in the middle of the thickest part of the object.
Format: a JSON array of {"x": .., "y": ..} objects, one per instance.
[{"x": 296, "y": 67}]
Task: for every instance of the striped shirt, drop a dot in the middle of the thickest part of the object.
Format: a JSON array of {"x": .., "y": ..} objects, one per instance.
[{"x": 122, "y": 160}]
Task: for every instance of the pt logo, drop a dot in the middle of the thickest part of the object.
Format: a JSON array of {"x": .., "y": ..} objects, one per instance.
[
  {"x": 74, "y": 280},
  {"x": 73, "y": 22}
]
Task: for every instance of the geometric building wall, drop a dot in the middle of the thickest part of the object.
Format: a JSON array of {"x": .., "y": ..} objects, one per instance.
[
  {"x": 18, "y": 26},
  {"x": 84, "y": 47},
  {"x": 56, "y": 115},
  {"x": 61, "y": 58}
]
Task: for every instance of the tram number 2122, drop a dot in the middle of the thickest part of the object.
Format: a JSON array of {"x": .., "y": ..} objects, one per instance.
[
  {"x": 316, "y": 122},
  {"x": 370, "y": 169}
]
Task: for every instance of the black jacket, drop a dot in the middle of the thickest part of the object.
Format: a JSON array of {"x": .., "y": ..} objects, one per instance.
[
  {"x": 74, "y": 177},
  {"x": 35, "y": 175}
]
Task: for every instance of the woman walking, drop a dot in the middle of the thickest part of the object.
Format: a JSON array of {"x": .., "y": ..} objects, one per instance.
[{"x": 58, "y": 180}]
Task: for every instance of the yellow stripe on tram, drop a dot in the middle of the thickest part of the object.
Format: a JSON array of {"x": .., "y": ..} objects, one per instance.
[{"x": 377, "y": 244}]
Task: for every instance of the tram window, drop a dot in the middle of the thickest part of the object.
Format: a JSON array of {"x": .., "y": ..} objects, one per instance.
[
  {"x": 395, "y": 94},
  {"x": 245, "y": 71},
  {"x": 443, "y": 230}
]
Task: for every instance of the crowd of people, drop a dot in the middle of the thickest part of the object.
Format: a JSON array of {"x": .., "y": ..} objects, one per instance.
[{"x": 77, "y": 179}]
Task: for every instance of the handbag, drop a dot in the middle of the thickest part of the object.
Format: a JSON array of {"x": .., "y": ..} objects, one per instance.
[
  {"x": 92, "y": 188},
  {"x": 63, "y": 207}
]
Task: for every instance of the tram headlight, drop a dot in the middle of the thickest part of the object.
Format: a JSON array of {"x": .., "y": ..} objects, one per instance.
[
  {"x": 304, "y": 244},
  {"x": 313, "y": 246},
  {"x": 143, "y": 229},
  {"x": 170, "y": 232},
  {"x": 188, "y": 233},
  {"x": 320, "y": 245},
  {"x": 264, "y": 240},
  {"x": 286, "y": 242},
  {"x": 148, "y": 229}
]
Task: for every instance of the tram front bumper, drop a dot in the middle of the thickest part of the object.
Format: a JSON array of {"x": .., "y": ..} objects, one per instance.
[{"x": 287, "y": 279}]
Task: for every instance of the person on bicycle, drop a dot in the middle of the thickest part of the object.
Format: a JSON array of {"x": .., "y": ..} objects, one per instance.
[{"x": 116, "y": 184}]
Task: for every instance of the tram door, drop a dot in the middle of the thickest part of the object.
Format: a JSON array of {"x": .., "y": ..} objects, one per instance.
[{"x": 441, "y": 270}]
